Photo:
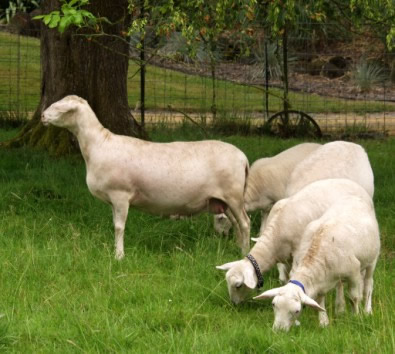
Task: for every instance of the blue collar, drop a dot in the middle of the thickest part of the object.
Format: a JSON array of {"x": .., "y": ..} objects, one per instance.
[{"x": 298, "y": 283}]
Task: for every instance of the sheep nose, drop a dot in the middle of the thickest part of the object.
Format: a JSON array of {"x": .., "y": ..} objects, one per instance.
[{"x": 43, "y": 119}]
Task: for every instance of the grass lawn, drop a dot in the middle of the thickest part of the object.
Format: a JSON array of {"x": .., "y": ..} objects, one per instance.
[
  {"x": 20, "y": 88},
  {"x": 62, "y": 290}
]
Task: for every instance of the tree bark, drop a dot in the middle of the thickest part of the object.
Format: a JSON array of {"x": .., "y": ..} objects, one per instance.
[{"x": 86, "y": 64}]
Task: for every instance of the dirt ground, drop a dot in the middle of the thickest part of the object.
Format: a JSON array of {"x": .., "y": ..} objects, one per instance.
[{"x": 329, "y": 123}]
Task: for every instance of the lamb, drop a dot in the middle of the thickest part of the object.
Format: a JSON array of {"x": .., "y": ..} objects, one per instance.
[
  {"x": 281, "y": 236},
  {"x": 181, "y": 178},
  {"x": 338, "y": 159},
  {"x": 267, "y": 182},
  {"x": 343, "y": 243}
]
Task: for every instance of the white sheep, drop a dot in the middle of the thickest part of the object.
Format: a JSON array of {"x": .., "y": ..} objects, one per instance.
[
  {"x": 284, "y": 228},
  {"x": 267, "y": 182},
  {"x": 337, "y": 159},
  {"x": 181, "y": 178},
  {"x": 343, "y": 244}
]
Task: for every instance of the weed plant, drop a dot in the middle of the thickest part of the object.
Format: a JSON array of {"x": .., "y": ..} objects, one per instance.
[
  {"x": 368, "y": 74},
  {"x": 63, "y": 291}
]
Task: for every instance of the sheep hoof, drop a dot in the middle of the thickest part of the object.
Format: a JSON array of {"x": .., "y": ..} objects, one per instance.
[
  {"x": 324, "y": 322},
  {"x": 119, "y": 255}
]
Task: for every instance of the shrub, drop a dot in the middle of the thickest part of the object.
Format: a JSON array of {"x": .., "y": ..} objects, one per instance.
[{"x": 367, "y": 74}]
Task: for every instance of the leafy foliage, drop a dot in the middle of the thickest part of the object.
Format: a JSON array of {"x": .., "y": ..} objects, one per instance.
[
  {"x": 378, "y": 15},
  {"x": 70, "y": 13}
]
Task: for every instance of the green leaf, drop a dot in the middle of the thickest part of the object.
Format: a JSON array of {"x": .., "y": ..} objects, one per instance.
[
  {"x": 64, "y": 23},
  {"x": 47, "y": 18},
  {"x": 86, "y": 14},
  {"x": 65, "y": 9},
  {"x": 54, "y": 21},
  {"x": 78, "y": 18},
  {"x": 72, "y": 2}
]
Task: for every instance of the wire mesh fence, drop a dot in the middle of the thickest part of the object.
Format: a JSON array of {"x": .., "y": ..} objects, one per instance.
[{"x": 341, "y": 86}]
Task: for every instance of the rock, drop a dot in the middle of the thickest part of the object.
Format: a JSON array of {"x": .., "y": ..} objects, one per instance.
[
  {"x": 315, "y": 66},
  {"x": 335, "y": 67}
]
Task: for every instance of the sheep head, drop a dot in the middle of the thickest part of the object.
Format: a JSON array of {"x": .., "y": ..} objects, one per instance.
[
  {"x": 61, "y": 113},
  {"x": 287, "y": 305},
  {"x": 241, "y": 279}
]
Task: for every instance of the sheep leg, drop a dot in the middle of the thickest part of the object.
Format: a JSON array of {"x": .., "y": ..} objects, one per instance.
[
  {"x": 264, "y": 215},
  {"x": 355, "y": 291},
  {"x": 340, "y": 303},
  {"x": 283, "y": 274},
  {"x": 232, "y": 219},
  {"x": 120, "y": 213},
  {"x": 241, "y": 222},
  {"x": 368, "y": 289},
  {"x": 322, "y": 315}
]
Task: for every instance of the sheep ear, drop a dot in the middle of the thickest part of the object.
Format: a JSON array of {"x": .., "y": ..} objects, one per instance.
[
  {"x": 268, "y": 294},
  {"x": 227, "y": 266},
  {"x": 308, "y": 301},
  {"x": 249, "y": 277}
]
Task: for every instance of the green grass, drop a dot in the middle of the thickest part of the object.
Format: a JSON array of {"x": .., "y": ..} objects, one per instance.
[
  {"x": 62, "y": 291},
  {"x": 20, "y": 88}
]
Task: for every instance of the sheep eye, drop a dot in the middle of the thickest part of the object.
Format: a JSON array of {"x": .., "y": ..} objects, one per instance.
[{"x": 297, "y": 311}]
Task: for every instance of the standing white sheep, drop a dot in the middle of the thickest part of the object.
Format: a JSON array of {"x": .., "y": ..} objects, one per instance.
[
  {"x": 267, "y": 182},
  {"x": 337, "y": 159},
  {"x": 343, "y": 244},
  {"x": 181, "y": 178},
  {"x": 284, "y": 228}
]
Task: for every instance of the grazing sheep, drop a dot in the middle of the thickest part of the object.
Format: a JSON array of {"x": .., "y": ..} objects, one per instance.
[
  {"x": 338, "y": 159},
  {"x": 181, "y": 178},
  {"x": 343, "y": 244},
  {"x": 267, "y": 182},
  {"x": 281, "y": 236}
]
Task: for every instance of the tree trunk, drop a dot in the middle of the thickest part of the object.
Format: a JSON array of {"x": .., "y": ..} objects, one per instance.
[{"x": 93, "y": 67}]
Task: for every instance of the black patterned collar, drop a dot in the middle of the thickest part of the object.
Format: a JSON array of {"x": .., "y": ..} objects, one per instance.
[{"x": 257, "y": 270}]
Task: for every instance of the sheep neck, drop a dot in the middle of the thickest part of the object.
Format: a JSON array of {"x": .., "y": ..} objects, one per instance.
[
  {"x": 313, "y": 277},
  {"x": 90, "y": 133},
  {"x": 264, "y": 252},
  {"x": 268, "y": 247},
  {"x": 312, "y": 265}
]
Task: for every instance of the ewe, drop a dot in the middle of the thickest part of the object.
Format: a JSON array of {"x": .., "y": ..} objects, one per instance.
[
  {"x": 267, "y": 182},
  {"x": 284, "y": 228},
  {"x": 181, "y": 178},
  {"x": 281, "y": 176},
  {"x": 338, "y": 159},
  {"x": 343, "y": 244}
]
